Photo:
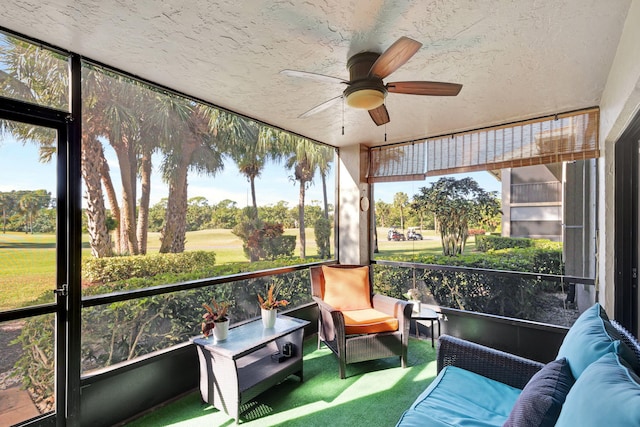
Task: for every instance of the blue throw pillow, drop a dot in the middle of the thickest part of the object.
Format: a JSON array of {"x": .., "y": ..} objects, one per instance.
[
  {"x": 606, "y": 394},
  {"x": 541, "y": 400},
  {"x": 591, "y": 337}
]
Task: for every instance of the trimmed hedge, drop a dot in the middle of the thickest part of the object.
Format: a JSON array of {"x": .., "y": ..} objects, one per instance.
[
  {"x": 105, "y": 270},
  {"x": 477, "y": 291},
  {"x": 486, "y": 243}
]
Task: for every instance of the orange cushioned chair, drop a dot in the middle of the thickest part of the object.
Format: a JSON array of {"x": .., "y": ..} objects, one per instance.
[{"x": 354, "y": 323}]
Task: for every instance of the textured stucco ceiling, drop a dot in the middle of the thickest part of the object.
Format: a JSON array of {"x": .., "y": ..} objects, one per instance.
[{"x": 516, "y": 59}]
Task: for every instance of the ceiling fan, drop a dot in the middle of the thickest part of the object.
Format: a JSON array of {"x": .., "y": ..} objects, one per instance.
[{"x": 365, "y": 88}]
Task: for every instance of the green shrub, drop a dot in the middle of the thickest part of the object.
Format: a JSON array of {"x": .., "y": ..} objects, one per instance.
[
  {"x": 486, "y": 243},
  {"x": 263, "y": 240},
  {"x": 36, "y": 365},
  {"x": 105, "y": 270},
  {"x": 392, "y": 281},
  {"x": 322, "y": 228},
  {"x": 274, "y": 244},
  {"x": 503, "y": 295}
]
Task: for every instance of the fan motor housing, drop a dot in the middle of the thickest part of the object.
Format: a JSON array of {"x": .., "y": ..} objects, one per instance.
[{"x": 364, "y": 91}]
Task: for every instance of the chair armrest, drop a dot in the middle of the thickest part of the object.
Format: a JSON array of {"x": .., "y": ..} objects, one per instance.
[
  {"x": 400, "y": 309},
  {"x": 497, "y": 365},
  {"x": 331, "y": 321}
]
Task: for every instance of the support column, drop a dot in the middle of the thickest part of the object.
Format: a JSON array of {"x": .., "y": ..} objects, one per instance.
[{"x": 353, "y": 219}]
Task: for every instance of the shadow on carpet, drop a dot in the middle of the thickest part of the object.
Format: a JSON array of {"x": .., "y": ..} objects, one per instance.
[{"x": 375, "y": 393}]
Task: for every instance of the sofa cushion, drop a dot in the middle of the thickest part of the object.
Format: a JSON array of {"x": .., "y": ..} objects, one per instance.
[
  {"x": 541, "y": 400},
  {"x": 606, "y": 394},
  {"x": 368, "y": 321},
  {"x": 591, "y": 337},
  {"x": 347, "y": 288},
  {"x": 461, "y": 398}
]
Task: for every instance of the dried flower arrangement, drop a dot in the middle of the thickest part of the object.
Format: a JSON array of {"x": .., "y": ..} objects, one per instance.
[
  {"x": 271, "y": 302},
  {"x": 215, "y": 314}
]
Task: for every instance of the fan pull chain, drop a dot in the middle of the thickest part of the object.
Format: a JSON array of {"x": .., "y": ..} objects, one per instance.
[
  {"x": 342, "y": 116},
  {"x": 385, "y": 132}
]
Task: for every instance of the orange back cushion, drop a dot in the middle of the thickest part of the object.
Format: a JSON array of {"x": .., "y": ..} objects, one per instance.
[{"x": 347, "y": 288}]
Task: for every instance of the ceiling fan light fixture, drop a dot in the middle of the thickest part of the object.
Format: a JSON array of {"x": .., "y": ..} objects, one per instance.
[{"x": 366, "y": 99}]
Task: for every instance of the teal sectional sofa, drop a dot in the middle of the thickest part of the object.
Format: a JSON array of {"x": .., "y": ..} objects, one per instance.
[{"x": 593, "y": 382}]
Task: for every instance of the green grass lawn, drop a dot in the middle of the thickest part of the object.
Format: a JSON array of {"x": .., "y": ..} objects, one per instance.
[
  {"x": 430, "y": 245},
  {"x": 28, "y": 268},
  {"x": 28, "y": 260}
]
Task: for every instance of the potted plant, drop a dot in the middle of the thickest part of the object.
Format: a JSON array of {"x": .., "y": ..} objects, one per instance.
[
  {"x": 414, "y": 295},
  {"x": 216, "y": 320},
  {"x": 269, "y": 305}
]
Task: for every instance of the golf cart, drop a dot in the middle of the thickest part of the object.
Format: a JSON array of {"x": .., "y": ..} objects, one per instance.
[
  {"x": 395, "y": 235},
  {"x": 412, "y": 234}
]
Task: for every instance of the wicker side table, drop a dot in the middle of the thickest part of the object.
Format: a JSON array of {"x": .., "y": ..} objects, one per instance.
[{"x": 426, "y": 315}]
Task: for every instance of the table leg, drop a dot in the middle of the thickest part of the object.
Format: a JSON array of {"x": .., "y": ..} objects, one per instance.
[{"x": 433, "y": 332}]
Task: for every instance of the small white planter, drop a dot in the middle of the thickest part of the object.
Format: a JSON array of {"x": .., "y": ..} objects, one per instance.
[
  {"x": 221, "y": 331},
  {"x": 269, "y": 318},
  {"x": 417, "y": 305}
]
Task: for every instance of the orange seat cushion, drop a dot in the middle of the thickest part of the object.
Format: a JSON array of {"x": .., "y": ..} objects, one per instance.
[
  {"x": 368, "y": 321},
  {"x": 347, "y": 288}
]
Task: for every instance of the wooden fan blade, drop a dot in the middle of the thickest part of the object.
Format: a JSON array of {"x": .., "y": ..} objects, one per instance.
[
  {"x": 379, "y": 115},
  {"x": 425, "y": 88},
  {"x": 313, "y": 76},
  {"x": 320, "y": 107},
  {"x": 394, "y": 57}
]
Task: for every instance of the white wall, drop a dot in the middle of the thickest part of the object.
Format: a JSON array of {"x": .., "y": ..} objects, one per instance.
[{"x": 619, "y": 103}]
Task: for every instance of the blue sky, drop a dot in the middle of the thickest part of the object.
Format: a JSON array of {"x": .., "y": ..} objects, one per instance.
[
  {"x": 385, "y": 191},
  {"x": 20, "y": 170}
]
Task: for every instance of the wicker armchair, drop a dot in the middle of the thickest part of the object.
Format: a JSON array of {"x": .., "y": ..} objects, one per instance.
[{"x": 352, "y": 348}]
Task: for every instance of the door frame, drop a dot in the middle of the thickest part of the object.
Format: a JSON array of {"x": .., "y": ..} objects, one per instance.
[
  {"x": 626, "y": 226},
  {"x": 68, "y": 253}
]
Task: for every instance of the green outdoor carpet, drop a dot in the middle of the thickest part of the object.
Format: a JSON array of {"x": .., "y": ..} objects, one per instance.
[{"x": 375, "y": 393}]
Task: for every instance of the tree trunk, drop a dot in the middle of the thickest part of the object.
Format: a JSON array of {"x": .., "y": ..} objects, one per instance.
[
  {"x": 113, "y": 201},
  {"x": 173, "y": 235},
  {"x": 326, "y": 213},
  {"x": 92, "y": 158},
  {"x": 303, "y": 236},
  {"x": 143, "y": 212},
  {"x": 174, "y": 232},
  {"x": 252, "y": 182},
  {"x": 324, "y": 195},
  {"x": 128, "y": 213}
]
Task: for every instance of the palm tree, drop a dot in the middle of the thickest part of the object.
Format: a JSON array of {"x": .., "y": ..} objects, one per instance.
[
  {"x": 161, "y": 117},
  {"x": 303, "y": 159},
  {"x": 95, "y": 169},
  {"x": 133, "y": 119},
  {"x": 38, "y": 75},
  {"x": 248, "y": 149},
  {"x": 4, "y": 205},
  {"x": 100, "y": 111},
  {"x": 400, "y": 201},
  {"x": 30, "y": 205},
  {"x": 325, "y": 158},
  {"x": 196, "y": 148},
  {"x": 33, "y": 74},
  {"x": 122, "y": 132}
]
